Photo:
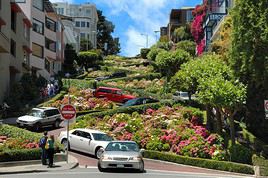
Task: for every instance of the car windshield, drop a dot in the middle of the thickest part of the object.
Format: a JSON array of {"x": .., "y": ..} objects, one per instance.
[
  {"x": 101, "y": 137},
  {"x": 184, "y": 94},
  {"x": 130, "y": 102},
  {"x": 122, "y": 146},
  {"x": 36, "y": 113}
]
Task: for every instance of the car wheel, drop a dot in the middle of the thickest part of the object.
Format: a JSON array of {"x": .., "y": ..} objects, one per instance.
[
  {"x": 141, "y": 167},
  {"x": 57, "y": 124},
  {"x": 99, "y": 152},
  {"x": 65, "y": 144},
  {"x": 100, "y": 168}
]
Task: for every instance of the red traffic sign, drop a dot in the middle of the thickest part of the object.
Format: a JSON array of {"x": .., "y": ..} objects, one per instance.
[
  {"x": 68, "y": 111},
  {"x": 266, "y": 105}
]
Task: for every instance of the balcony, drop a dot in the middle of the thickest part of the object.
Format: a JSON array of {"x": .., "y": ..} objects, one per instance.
[
  {"x": 212, "y": 19},
  {"x": 4, "y": 43}
]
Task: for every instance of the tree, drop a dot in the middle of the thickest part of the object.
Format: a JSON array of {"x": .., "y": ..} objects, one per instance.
[
  {"x": 169, "y": 62},
  {"x": 204, "y": 67},
  {"x": 249, "y": 59},
  {"x": 183, "y": 33},
  {"x": 187, "y": 45},
  {"x": 227, "y": 96},
  {"x": 105, "y": 41},
  {"x": 89, "y": 59},
  {"x": 70, "y": 56},
  {"x": 85, "y": 44}
]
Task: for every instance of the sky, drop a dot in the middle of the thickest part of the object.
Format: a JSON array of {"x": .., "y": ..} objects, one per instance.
[{"x": 134, "y": 20}]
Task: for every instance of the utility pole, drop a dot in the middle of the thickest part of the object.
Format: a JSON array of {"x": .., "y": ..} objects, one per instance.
[{"x": 146, "y": 39}]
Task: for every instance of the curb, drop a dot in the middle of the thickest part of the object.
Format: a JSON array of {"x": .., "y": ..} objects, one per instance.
[{"x": 23, "y": 169}]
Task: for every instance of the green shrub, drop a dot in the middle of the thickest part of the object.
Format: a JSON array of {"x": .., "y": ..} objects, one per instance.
[
  {"x": 20, "y": 155},
  {"x": 153, "y": 53},
  {"x": 128, "y": 110},
  {"x": 187, "y": 45},
  {"x": 240, "y": 154},
  {"x": 262, "y": 163},
  {"x": 205, "y": 163},
  {"x": 80, "y": 84},
  {"x": 144, "y": 52}
]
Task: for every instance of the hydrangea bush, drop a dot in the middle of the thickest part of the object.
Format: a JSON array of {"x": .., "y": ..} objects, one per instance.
[{"x": 166, "y": 129}]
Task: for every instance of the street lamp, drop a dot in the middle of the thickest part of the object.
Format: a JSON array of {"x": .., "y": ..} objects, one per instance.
[
  {"x": 156, "y": 31},
  {"x": 146, "y": 39}
]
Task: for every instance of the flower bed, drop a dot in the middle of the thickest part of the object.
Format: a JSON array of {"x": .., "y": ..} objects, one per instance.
[
  {"x": 152, "y": 86},
  {"x": 83, "y": 100},
  {"x": 178, "y": 130}
]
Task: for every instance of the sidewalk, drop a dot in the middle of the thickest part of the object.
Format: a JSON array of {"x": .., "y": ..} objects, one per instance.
[{"x": 36, "y": 166}]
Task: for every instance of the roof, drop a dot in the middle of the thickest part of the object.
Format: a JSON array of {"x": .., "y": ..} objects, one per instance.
[
  {"x": 89, "y": 130},
  {"x": 110, "y": 88}
]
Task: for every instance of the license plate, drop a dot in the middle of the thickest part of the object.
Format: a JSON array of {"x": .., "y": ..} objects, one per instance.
[{"x": 120, "y": 165}]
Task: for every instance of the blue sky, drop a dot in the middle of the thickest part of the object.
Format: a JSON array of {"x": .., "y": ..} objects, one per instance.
[{"x": 135, "y": 17}]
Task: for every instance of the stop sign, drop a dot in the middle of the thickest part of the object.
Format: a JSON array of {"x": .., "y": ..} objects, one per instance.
[{"x": 68, "y": 111}]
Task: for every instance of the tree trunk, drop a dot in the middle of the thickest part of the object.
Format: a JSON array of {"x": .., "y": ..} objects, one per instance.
[
  {"x": 232, "y": 128},
  {"x": 209, "y": 124},
  {"x": 219, "y": 121}
]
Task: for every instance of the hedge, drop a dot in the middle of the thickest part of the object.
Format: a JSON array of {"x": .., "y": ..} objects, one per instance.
[
  {"x": 81, "y": 84},
  {"x": 200, "y": 162},
  {"x": 129, "y": 110},
  {"x": 59, "y": 96},
  {"x": 262, "y": 163},
  {"x": 20, "y": 155}
]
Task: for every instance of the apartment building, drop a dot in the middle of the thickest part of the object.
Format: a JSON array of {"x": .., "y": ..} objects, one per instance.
[
  {"x": 14, "y": 44},
  {"x": 84, "y": 18},
  {"x": 46, "y": 38},
  {"x": 178, "y": 18},
  {"x": 217, "y": 10}
]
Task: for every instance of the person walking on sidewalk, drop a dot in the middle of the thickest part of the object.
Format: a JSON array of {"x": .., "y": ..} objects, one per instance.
[
  {"x": 50, "y": 150},
  {"x": 42, "y": 144}
]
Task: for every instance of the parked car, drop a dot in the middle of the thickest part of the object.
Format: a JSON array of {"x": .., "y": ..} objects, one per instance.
[
  {"x": 139, "y": 101},
  {"x": 114, "y": 75},
  {"x": 121, "y": 154},
  {"x": 182, "y": 96},
  {"x": 113, "y": 94},
  {"x": 86, "y": 140},
  {"x": 40, "y": 117}
]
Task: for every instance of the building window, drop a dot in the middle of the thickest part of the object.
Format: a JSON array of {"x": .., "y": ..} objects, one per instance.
[
  {"x": 87, "y": 12},
  {"x": 50, "y": 24},
  {"x": 47, "y": 65},
  {"x": 38, "y": 26},
  {"x": 51, "y": 45},
  {"x": 26, "y": 59},
  {"x": 13, "y": 47},
  {"x": 83, "y": 35},
  {"x": 83, "y": 24},
  {"x": 37, "y": 50},
  {"x": 26, "y": 32},
  {"x": 77, "y": 24},
  {"x": 87, "y": 24},
  {"x": 39, "y": 4},
  {"x": 189, "y": 16},
  {"x": 13, "y": 20},
  {"x": 60, "y": 11}
]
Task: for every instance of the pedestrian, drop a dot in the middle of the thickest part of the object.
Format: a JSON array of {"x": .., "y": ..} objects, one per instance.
[
  {"x": 95, "y": 84},
  {"x": 50, "y": 150},
  {"x": 42, "y": 144}
]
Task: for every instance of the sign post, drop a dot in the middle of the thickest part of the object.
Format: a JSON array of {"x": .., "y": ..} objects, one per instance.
[
  {"x": 68, "y": 112},
  {"x": 266, "y": 108}
]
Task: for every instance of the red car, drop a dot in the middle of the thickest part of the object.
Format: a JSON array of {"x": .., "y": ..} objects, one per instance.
[{"x": 113, "y": 94}]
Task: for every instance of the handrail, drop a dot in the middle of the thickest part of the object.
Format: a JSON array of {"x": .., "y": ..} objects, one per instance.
[{"x": 5, "y": 37}]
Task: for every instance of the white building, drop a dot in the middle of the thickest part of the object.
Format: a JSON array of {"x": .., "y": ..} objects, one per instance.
[{"x": 84, "y": 17}]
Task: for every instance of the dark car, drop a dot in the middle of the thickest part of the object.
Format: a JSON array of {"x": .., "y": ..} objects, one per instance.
[
  {"x": 114, "y": 75},
  {"x": 139, "y": 101}
]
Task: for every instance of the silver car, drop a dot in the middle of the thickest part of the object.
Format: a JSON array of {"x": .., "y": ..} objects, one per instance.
[
  {"x": 86, "y": 140},
  {"x": 121, "y": 154}
]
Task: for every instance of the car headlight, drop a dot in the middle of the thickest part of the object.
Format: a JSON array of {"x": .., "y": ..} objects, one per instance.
[
  {"x": 106, "y": 157},
  {"x": 135, "y": 158}
]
